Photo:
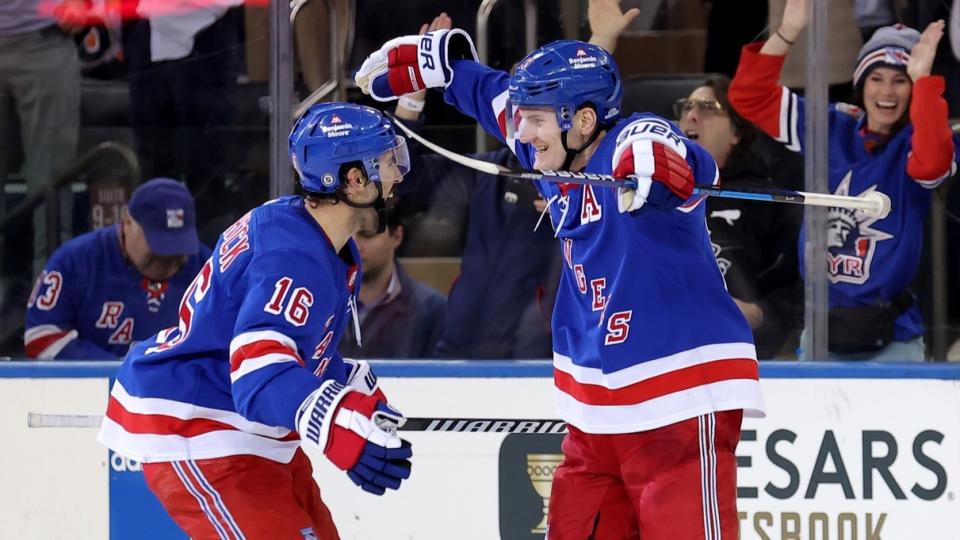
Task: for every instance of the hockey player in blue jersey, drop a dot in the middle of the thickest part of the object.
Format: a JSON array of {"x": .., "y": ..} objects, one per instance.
[
  {"x": 654, "y": 364},
  {"x": 217, "y": 407},
  {"x": 103, "y": 291}
]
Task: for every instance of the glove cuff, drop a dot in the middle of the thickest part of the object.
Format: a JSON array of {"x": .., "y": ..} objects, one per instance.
[
  {"x": 361, "y": 376},
  {"x": 315, "y": 417},
  {"x": 437, "y": 51}
]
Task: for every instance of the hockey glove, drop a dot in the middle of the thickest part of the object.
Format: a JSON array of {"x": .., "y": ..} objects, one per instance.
[
  {"x": 360, "y": 377},
  {"x": 664, "y": 178},
  {"x": 413, "y": 63},
  {"x": 358, "y": 434}
]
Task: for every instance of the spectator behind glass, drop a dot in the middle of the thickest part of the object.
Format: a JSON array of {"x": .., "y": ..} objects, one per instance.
[
  {"x": 500, "y": 305},
  {"x": 754, "y": 242},
  {"x": 843, "y": 41},
  {"x": 183, "y": 64},
  {"x": 400, "y": 317},
  {"x": 899, "y": 145},
  {"x": 105, "y": 290},
  {"x": 40, "y": 86},
  {"x": 872, "y": 15},
  {"x": 919, "y": 14}
]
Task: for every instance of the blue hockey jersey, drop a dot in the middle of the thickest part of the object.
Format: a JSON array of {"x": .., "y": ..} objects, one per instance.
[
  {"x": 869, "y": 259},
  {"x": 258, "y": 332},
  {"x": 644, "y": 331},
  {"x": 89, "y": 303}
]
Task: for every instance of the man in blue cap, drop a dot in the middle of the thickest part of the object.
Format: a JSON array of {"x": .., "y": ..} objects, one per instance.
[{"x": 109, "y": 288}]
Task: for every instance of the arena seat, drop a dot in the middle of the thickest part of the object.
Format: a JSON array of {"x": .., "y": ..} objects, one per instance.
[{"x": 657, "y": 93}]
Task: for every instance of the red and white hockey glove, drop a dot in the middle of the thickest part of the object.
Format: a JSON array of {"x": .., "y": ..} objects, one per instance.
[
  {"x": 358, "y": 434},
  {"x": 658, "y": 164},
  {"x": 412, "y": 63}
]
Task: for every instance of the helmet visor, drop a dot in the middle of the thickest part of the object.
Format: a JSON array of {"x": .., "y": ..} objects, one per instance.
[
  {"x": 391, "y": 165},
  {"x": 525, "y": 122}
]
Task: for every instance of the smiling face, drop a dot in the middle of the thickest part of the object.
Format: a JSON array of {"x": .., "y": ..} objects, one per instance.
[
  {"x": 538, "y": 127},
  {"x": 703, "y": 120},
  {"x": 886, "y": 98}
]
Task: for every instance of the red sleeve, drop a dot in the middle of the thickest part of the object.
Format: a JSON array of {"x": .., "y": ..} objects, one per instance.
[
  {"x": 755, "y": 91},
  {"x": 931, "y": 156}
]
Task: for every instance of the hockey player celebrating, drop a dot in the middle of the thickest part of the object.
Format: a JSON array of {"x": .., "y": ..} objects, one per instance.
[
  {"x": 654, "y": 363},
  {"x": 217, "y": 407}
]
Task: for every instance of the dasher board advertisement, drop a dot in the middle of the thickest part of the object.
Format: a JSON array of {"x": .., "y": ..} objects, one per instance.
[{"x": 846, "y": 452}]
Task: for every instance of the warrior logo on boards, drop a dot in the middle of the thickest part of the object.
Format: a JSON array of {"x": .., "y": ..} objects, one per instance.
[{"x": 851, "y": 242}]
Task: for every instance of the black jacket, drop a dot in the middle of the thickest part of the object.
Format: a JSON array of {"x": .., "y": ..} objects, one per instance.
[{"x": 756, "y": 247}]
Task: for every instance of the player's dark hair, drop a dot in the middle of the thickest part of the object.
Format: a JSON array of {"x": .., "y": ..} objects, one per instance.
[
  {"x": 742, "y": 152},
  {"x": 338, "y": 194}
]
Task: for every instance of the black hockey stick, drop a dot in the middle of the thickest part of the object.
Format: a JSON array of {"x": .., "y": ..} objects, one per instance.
[
  {"x": 485, "y": 425},
  {"x": 874, "y": 203},
  {"x": 445, "y": 425}
]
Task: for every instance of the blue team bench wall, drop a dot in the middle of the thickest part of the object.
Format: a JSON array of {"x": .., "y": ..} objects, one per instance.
[{"x": 530, "y": 368}]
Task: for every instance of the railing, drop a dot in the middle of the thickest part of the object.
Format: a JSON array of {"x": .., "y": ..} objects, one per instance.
[
  {"x": 48, "y": 194},
  {"x": 483, "y": 44},
  {"x": 338, "y": 81},
  {"x": 282, "y": 17}
]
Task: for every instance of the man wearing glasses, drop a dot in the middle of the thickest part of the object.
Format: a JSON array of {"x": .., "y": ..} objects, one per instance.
[{"x": 755, "y": 243}]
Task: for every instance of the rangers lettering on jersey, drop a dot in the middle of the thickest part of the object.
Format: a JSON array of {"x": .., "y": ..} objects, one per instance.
[{"x": 627, "y": 354}]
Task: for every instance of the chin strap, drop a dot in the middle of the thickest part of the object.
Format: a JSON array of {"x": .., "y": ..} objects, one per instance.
[
  {"x": 572, "y": 152},
  {"x": 378, "y": 204}
]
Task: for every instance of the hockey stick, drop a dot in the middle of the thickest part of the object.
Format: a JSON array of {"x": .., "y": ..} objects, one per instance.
[
  {"x": 442, "y": 425},
  {"x": 873, "y": 203}
]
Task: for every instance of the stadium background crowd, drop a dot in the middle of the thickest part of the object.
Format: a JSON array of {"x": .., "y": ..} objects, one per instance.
[{"x": 88, "y": 112}]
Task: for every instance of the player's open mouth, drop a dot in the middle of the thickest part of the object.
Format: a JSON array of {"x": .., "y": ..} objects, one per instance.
[
  {"x": 888, "y": 105},
  {"x": 542, "y": 148},
  {"x": 692, "y": 135}
]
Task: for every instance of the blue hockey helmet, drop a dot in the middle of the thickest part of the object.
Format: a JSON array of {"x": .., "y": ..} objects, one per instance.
[
  {"x": 329, "y": 135},
  {"x": 566, "y": 75}
]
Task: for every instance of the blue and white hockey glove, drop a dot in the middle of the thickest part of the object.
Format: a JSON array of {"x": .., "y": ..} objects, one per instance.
[
  {"x": 658, "y": 164},
  {"x": 358, "y": 434},
  {"x": 412, "y": 63}
]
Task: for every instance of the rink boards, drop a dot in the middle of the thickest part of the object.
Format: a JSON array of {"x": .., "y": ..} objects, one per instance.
[{"x": 846, "y": 451}]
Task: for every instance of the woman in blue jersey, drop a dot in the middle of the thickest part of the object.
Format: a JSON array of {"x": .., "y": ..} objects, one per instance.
[{"x": 895, "y": 142}]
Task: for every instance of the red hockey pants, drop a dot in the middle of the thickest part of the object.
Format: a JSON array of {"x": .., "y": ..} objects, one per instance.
[
  {"x": 677, "y": 482},
  {"x": 242, "y": 497}
]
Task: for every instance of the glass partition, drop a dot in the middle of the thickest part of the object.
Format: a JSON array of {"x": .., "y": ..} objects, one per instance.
[{"x": 187, "y": 93}]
